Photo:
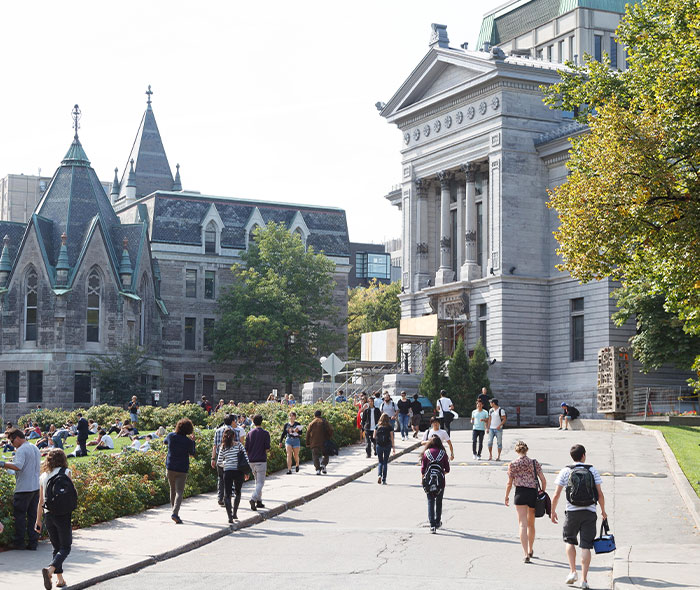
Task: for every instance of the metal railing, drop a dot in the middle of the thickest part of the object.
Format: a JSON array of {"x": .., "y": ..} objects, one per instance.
[{"x": 663, "y": 401}]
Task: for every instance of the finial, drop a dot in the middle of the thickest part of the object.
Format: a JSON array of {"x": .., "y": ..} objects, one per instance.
[
  {"x": 177, "y": 184},
  {"x": 64, "y": 237},
  {"x": 76, "y": 118},
  {"x": 125, "y": 242},
  {"x": 132, "y": 165},
  {"x": 149, "y": 92},
  {"x": 6, "y": 240}
]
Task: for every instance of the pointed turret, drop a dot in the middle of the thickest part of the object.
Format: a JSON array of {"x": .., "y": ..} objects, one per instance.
[
  {"x": 125, "y": 270},
  {"x": 177, "y": 185},
  {"x": 131, "y": 184},
  {"x": 5, "y": 264},
  {"x": 62, "y": 265},
  {"x": 114, "y": 193}
]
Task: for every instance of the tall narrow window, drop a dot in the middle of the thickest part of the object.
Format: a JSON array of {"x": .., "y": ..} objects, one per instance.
[
  {"x": 571, "y": 49},
  {"x": 598, "y": 47},
  {"x": 81, "y": 388},
  {"x": 560, "y": 52},
  {"x": 93, "y": 307},
  {"x": 210, "y": 238},
  {"x": 35, "y": 386},
  {"x": 577, "y": 329},
  {"x": 208, "y": 386},
  {"x": 188, "y": 382},
  {"x": 190, "y": 283},
  {"x": 11, "y": 387},
  {"x": 207, "y": 341},
  {"x": 613, "y": 53},
  {"x": 190, "y": 333},
  {"x": 479, "y": 233},
  {"x": 483, "y": 311},
  {"x": 31, "y": 307},
  {"x": 550, "y": 49},
  {"x": 209, "y": 284},
  {"x": 361, "y": 265}
]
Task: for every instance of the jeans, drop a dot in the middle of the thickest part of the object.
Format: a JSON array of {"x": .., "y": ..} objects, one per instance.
[
  {"x": 370, "y": 443},
  {"x": 404, "y": 420},
  {"x": 316, "y": 454},
  {"x": 134, "y": 418},
  {"x": 61, "y": 537},
  {"x": 233, "y": 482},
  {"x": 383, "y": 457},
  {"x": 259, "y": 472},
  {"x": 477, "y": 435},
  {"x": 177, "y": 480},
  {"x": 25, "y": 505},
  {"x": 435, "y": 509},
  {"x": 445, "y": 421},
  {"x": 499, "y": 436},
  {"x": 57, "y": 442},
  {"x": 220, "y": 482}
]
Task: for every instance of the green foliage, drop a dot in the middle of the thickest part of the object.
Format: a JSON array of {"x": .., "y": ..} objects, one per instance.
[
  {"x": 683, "y": 441},
  {"x": 434, "y": 375},
  {"x": 152, "y": 417},
  {"x": 279, "y": 312},
  {"x": 370, "y": 309},
  {"x": 119, "y": 375},
  {"x": 103, "y": 414},
  {"x": 478, "y": 373},
  {"x": 630, "y": 209},
  {"x": 458, "y": 384}
]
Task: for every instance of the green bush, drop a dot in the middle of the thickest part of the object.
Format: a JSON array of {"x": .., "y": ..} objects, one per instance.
[
  {"x": 104, "y": 415},
  {"x": 151, "y": 417}
]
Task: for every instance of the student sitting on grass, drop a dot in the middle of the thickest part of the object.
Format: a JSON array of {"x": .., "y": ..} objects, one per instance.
[
  {"x": 127, "y": 430},
  {"x": 105, "y": 441}
]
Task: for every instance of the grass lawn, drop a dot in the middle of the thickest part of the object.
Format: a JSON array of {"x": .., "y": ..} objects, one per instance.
[{"x": 685, "y": 444}]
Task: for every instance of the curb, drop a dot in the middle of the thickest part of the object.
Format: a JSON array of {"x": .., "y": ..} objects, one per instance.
[{"x": 225, "y": 531}]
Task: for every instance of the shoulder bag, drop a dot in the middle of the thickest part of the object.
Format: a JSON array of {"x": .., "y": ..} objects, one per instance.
[
  {"x": 605, "y": 543},
  {"x": 543, "y": 504}
]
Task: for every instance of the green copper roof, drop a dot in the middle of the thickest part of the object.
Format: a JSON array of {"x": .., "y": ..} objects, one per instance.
[
  {"x": 76, "y": 155},
  {"x": 5, "y": 263},
  {"x": 521, "y": 16}
]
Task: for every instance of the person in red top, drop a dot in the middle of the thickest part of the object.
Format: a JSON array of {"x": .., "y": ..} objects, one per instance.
[
  {"x": 361, "y": 407},
  {"x": 435, "y": 454}
]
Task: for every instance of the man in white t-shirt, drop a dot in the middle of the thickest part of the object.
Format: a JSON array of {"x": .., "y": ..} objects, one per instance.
[
  {"x": 445, "y": 409},
  {"x": 106, "y": 443},
  {"x": 435, "y": 430},
  {"x": 494, "y": 428},
  {"x": 583, "y": 490},
  {"x": 388, "y": 407}
]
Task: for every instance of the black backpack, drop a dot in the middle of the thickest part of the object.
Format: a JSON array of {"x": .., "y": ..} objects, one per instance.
[
  {"x": 61, "y": 497},
  {"x": 434, "y": 476},
  {"x": 383, "y": 436},
  {"x": 580, "y": 488}
]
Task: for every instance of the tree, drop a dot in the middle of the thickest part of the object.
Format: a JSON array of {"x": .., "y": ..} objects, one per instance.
[
  {"x": 434, "y": 375},
  {"x": 119, "y": 375},
  {"x": 631, "y": 207},
  {"x": 478, "y": 373},
  {"x": 458, "y": 385},
  {"x": 279, "y": 313},
  {"x": 371, "y": 308}
]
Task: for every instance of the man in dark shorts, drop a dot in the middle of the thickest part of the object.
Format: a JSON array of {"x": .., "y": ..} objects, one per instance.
[
  {"x": 579, "y": 518},
  {"x": 416, "y": 411},
  {"x": 568, "y": 413}
]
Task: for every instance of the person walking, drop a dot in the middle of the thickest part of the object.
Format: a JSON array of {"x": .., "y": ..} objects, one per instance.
[
  {"x": 568, "y": 414},
  {"x": 494, "y": 428},
  {"x": 434, "y": 466},
  {"x": 384, "y": 435},
  {"x": 370, "y": 419},
  {"x": 58, "y": 519},
  {"x": 480, "y": 418},
  {"x": 445, "y": 410},
  {"x": 291, "y": 435},
  {"x": 25, "y": 501},
  {"x": 583, "y": 491},
  {"x": 361, "y": 407},
  {"x": 388, "y": 407},
  {"x": 257, "y": 445},
  {"x": 229, "y": 420},
  {"x": 229, "y": 458},
  {"x": 404, "y": 406},
  {"x": 83, "y": 428},
  {"x": 416, "y": 413},
  {"x": 177, "y": 463},
  {"x": 133, "y": 408},
  {"x": 436, "y": 431},
  {"x": 484, "y": 397},
  {"x": 317, "y": 433},
  {"x": 524, "y": 473}
]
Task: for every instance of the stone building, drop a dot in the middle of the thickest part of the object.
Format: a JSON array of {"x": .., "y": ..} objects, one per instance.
[
  {"x": 480, "y": 150},
  {"x": 88, "y": 273}
]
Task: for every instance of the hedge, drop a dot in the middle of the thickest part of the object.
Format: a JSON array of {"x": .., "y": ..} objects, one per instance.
[{"x": 110, "y": 486}]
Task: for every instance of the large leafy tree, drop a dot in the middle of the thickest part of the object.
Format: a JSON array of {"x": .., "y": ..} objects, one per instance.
[
  {"x": 279, "y": 314},
  {"x": 478, "y": 373},
  {"x": 371, "y": 308},
  {"x": 458, "y": 383},
  {"x": 630, "y": 209},
  {"x": 434, "y": 378},
  {"x": 119, "y": 375}
]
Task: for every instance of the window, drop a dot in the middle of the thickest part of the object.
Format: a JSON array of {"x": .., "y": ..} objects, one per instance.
[
  {"x": 190, "y": 283},
  {"x": 31, "y": 307},
  {"x": 379, "y": 266},
  {"x": 613, "y": 53},
  {"x": 598, "y": 47},
  {"x": 560, "y": 52},
  {"x": 188, "y": 387},
  {"x": 207, "y": 342},
  {"x": 577, "y": 329},
  {"x": 541, "y": 404},
  {"x": 11, "y": 387},
  {"x": 251, "y": 235},
  {"x": 209, "y": 284},
  {"x": 210, "y": 238},
  {"x": 482, "y": 323},
  {"x": 539, "y": 54},
  {"x": 550, "y": 49},
  {"x": 208, "y": 386},
  {"x": 81, "y": 388},
  {"x": 571, "y": 49},
  {"x": 35, "y": 386},
  {"x": 361, "y": 265},
  {"x": 93, "y": 308},
  {"x": 479, "y": 232},
  {"x": 190, "y": 333}
]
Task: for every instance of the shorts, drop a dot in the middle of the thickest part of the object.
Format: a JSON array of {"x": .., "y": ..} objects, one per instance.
[
  {"x": 415, "y": 420},
  {"x": 525, "y": 496},
  {"x": 293, "y": 441},
  {"x": 583, "y": 522},
  {"x": 498, "y": 435}
]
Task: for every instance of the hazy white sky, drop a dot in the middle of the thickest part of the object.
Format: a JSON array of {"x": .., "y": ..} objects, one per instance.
[{"x": 264, "y": 100}]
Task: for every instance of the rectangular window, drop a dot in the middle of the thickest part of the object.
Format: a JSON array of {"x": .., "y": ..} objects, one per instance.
[
  {"x": 190, "y": 333},
  {"x": 210, "y": 240},
  {"x": 571, "y": 49},
  {"x": 188, "y": 387},
  {"x": 540, "y": 54},
  {"x": 190, "y": 283},
  {"x": 378, "y": 266},
  {"x": 613, "y": 53},
  {"x": 81, "y": 387},
  {"x": 550, "y": 50},
  {"x": 361, "y": 265},
  {"x": 209, "y": 284},
  {"x": 11, "y": 387},
  {"x": 577, "y": 329},
  {"x": 207, "y": 343},
  {"x": 541, "y": 404},
  {"x": 208, "y": 386},
  {"x": 35, "y": 386},
  {"x": 598, "y": 47},
  {"x": 560, "y": 52},
  {"x": 482, "y": 323},
  {"x": 30, "y": 326},
  {"x": 479, "y": 233}
]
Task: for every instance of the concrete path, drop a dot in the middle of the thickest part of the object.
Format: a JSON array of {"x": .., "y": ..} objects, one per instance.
[{"x": 364, "y": 533}]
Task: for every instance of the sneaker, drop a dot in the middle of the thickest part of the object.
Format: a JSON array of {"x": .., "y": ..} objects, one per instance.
[
  {"x": 289, "y": 472},
  {"x": 474, "y": 457},
  {"x": 585, "y": 586},
  {"x": 433, "y": 530},
  {"x": 297, "y": 468},
  {"x": 253, "y": 506},
  {"x": 379, "y": 479},
  {"x": 318, "y": 472},
  {"x": 176, "y": 519},
  {"x": 478, "y": 457},
  {"x": 439, "y": 524},
  {"x": 324, "y": 471},
  {"x": 259, "y": 504},
  {"x": 384, "y": 482},
  {"x": 559, "y": 428},
  {"x": 571, "y": 578}
]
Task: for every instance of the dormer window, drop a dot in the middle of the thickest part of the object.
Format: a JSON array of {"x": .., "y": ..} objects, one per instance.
[
  {"x": 210, "y": 236},
  {"x": 251, "y": 235}
]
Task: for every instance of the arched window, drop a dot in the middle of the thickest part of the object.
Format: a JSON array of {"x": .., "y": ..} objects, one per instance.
[
  {"x": 94, "y": 292},
  {"x": 251, "y": 234},
  {"x": 298, "y": 232},
  {"x": 210, "y": 238},
  {"x": 31, "y": 306}
]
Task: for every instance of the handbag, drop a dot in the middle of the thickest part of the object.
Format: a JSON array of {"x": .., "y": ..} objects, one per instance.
[
  {"x": 543, "y": 504},
  {"x": 243, "y": 465},
  {"x": 605, "y": 543}
]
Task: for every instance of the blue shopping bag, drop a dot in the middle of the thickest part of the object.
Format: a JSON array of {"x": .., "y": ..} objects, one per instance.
[{"x": 605, "y": 543}]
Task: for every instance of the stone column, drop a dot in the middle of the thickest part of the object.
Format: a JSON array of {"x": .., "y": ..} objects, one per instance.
[
  {"x": 470, "y": 269},
  {"x": 422, "y": 248},
  {"x": 444, "y": 274}
]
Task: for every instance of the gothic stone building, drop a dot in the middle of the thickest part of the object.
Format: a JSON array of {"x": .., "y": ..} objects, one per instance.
[
  {"x": 480, "y": 150},
  {"x": 145, "y": 266}
]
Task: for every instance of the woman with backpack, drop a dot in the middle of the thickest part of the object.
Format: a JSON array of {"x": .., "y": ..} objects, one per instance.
[
  {"x": 231, "y": 457},
  {"x": 434, "y": 466},
  {"x": 384, "y": 435},
  {"x": 58, "y": 499},
  {"x": 525, "y": 472}
]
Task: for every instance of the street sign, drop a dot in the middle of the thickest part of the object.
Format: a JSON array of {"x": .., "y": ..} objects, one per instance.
[{"x": 332, "y": 365}]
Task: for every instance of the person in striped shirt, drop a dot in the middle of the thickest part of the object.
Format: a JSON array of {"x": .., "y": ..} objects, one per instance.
[{"x": 228, "y": 459}]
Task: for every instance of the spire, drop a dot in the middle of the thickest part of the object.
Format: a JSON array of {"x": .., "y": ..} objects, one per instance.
[
  {"x": 177, "y": 185},
  {"x": 125, "y": 270},
  {"x": 62, "y": 265},
  {"x": 131, "y": 180},
  {"x": 114, "y": 193},
  {"x": 5, "y": 264},
  {"x": 76, "y": 156}
]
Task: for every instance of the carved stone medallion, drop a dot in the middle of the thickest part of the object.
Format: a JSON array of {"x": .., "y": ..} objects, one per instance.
[
  {"x": 416, "y": 134},
  {"x": 437, "y": 125},
  {"x": 482, "y": 107},
  {"x": 460, "y": 117},
  {"x": 426, "y": 130},
  {"x": 470, "y": 112},
  {"x": 495, "y": 103},
  {"x": 406, "y": 137},
  {"x": 448, "y": 121}
]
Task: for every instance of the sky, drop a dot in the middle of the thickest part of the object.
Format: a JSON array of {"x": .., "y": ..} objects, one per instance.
[{"x": 260, "y": 100}]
